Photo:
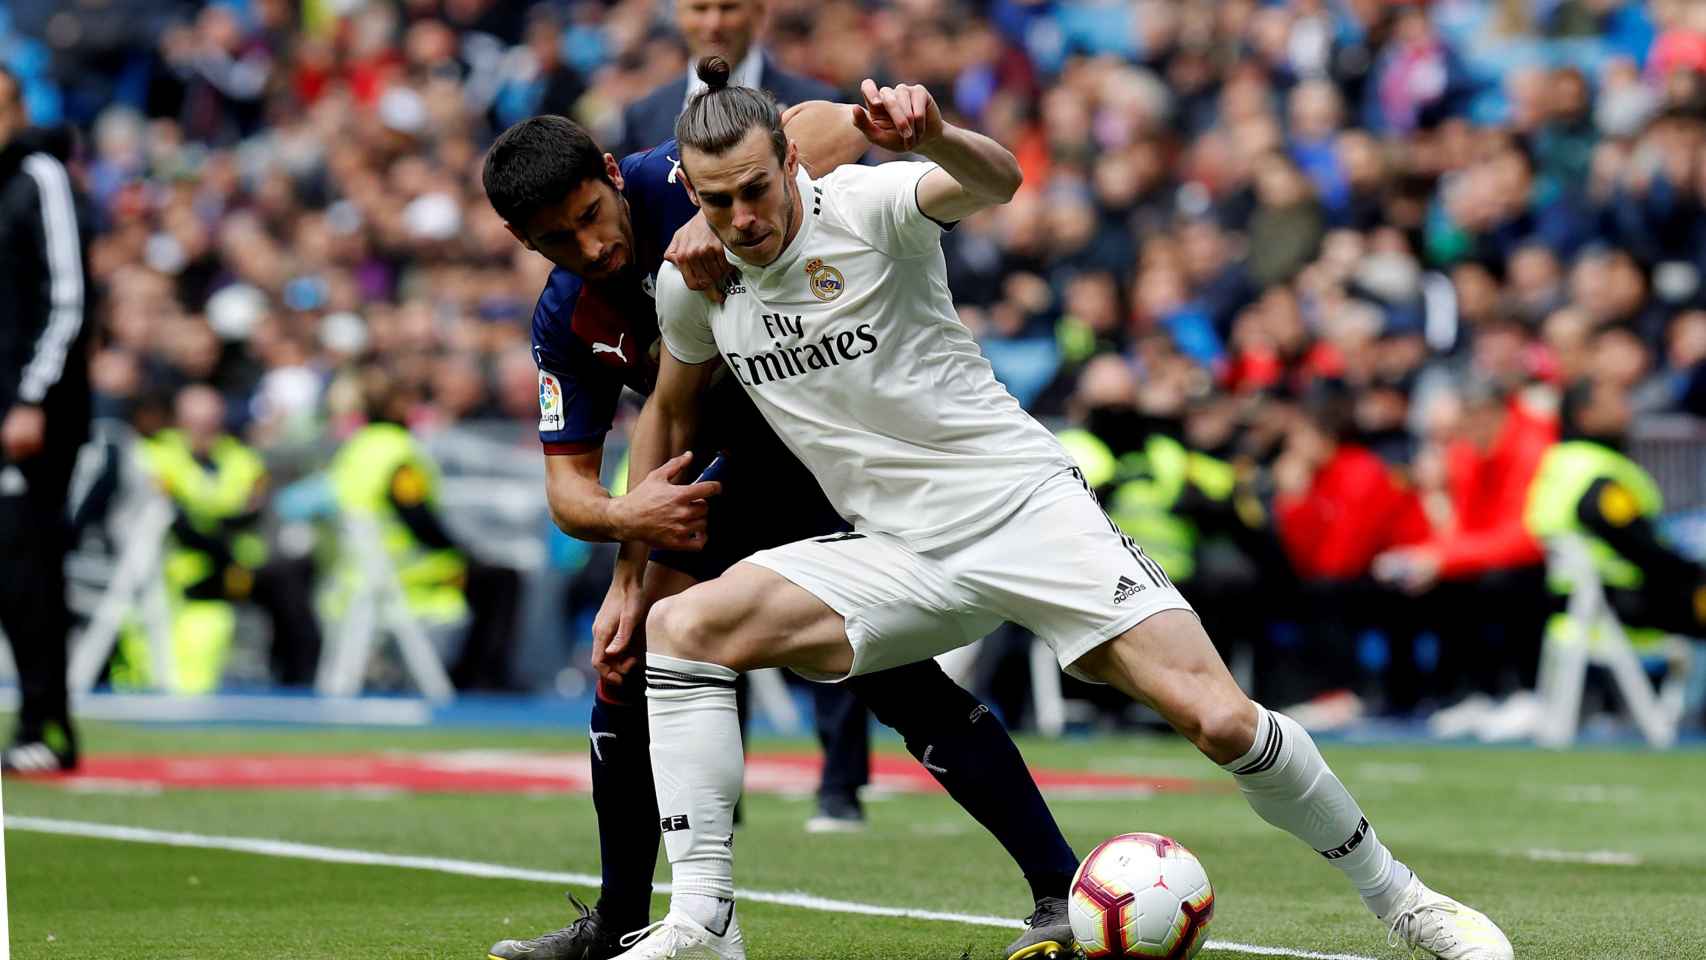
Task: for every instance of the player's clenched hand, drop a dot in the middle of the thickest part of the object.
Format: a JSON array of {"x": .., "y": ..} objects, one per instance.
[
  {"x": 620, "y": 617},
  {"x": 899, "y": 119},
  {"x": 661, "y": 513},
  {"x": 698, "y": 254}
]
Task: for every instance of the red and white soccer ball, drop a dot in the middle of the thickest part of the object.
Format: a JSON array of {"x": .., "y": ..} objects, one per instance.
[{"x": 1141, "y": 895}]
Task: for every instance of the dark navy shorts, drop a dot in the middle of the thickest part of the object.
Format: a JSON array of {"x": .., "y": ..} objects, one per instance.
[{"x": 768, "y": 499}]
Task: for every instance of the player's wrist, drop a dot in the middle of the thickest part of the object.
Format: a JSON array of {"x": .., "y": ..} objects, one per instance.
[{"x": 932, "y": 143}]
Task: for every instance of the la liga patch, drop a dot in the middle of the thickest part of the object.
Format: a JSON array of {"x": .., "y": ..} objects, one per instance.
[{"x": 550, "y": 402}]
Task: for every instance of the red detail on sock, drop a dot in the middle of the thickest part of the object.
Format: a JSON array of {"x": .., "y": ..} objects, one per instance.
[{"x": 628, "y": 693}]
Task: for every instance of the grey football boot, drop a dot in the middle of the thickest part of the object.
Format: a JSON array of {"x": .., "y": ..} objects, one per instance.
[
  {"x": 586, "y": 938},
  {"x": 1048, "y": 933}
]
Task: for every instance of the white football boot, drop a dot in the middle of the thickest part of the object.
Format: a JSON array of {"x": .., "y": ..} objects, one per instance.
[
  {"x": 1439, "y": 926},
  {"x": 678, "y": 937}
]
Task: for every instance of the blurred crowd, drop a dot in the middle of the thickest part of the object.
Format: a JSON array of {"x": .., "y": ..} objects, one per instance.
[{"x": 1361, "y": 252}]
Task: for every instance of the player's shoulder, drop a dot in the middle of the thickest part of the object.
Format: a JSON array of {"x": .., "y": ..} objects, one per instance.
[
  {"x": 858, "y": 180},
  {"x": 859, "y": 196},
  {"x": 555, "y": 309},
  {"x": 675, "y": 297},
  {"x": 653, "y": 169},
  {"x": 555, "y": 343}
]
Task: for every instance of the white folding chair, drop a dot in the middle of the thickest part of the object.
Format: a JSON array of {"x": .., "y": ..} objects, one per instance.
[
  {"x": 1597, "y": 638},
  {"x": 377, "y": 607},
  {"x": 137, "y": 588}
]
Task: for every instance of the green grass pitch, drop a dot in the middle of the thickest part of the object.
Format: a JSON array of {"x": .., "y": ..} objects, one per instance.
[{"x": 1467, "y": 819}]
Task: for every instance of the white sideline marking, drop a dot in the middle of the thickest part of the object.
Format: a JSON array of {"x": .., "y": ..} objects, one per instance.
[
  {"x": 494, "y": 871},
  {"x": 1603, "y": 858}
]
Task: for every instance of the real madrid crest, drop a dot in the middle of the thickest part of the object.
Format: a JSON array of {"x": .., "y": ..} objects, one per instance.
[{"x": 826, "y": 281}]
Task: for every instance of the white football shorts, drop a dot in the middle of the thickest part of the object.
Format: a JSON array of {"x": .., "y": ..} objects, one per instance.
[{"x": 1056, "y": 566}]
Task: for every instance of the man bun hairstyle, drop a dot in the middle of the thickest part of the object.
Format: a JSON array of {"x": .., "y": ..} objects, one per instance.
[
  {"x": 719, "y": 116},
  {"x": 715, "y": 72},
  {"x": 538, "y": 162}
]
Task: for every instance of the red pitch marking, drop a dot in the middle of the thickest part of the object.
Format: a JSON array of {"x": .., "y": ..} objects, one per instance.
[{"x": 476, "y": 771}]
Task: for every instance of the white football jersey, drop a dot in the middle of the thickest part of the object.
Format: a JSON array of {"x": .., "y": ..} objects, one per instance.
[{"x": 850, "y": 346}]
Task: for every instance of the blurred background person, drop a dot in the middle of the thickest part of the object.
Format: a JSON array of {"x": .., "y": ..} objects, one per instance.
[
  {"x": 218, "y": 556},
  {"x": 724, "y": 28},
  {"x": 44, "y": 419},
  {"x": 382, "y": 476}
]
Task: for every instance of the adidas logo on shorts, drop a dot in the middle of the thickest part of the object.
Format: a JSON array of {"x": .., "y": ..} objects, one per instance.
[{"x": 1125, "y": 590}]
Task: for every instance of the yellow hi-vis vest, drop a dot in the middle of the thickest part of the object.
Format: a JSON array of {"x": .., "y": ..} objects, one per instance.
[
  {"x": 1566, "y": 472},
  {"x": 202, "y": 628},
  {"x": 362, "y": 473},
  {"x": 207, "y": 497},
  {"x": 1148, "y": 486}
]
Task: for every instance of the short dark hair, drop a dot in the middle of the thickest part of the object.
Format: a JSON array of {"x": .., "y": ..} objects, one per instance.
[
  {"x": 719, "y": 116},
  {"x": 538, "y": 162}
]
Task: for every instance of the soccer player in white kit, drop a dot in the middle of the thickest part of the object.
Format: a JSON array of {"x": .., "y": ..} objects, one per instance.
[{"x": 966, "y": 512}]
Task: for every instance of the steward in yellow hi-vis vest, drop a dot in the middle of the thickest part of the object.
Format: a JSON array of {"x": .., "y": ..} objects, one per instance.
[
  {"x": 1163, "y": 495},
  {"x": 214, "y": 551},
  {"x": 381, "y": 474},
  {"x": 1587, "y": 487}
]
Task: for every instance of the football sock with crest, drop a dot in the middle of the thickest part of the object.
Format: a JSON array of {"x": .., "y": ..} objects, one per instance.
[
  {"x": 697, "y": 767},
  {"x": 626, "y": 804},
  {"x": 1288, "y": 783},
  {"x": 969, "y": 752}
]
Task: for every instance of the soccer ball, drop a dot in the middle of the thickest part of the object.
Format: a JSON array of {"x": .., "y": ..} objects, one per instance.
[{"x": 1140, "y": 895}]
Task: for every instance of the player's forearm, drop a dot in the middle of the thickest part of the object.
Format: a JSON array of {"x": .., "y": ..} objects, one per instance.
[
  {"x": 661, "y": 431},
  {"x": 982, "y": 167},
  {"x": 583, "y": 509}
]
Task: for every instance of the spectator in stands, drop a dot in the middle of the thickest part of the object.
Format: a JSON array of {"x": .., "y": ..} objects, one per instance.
[
  {"x": 1336, "y": 507},
  {"x": 1478, "y": 550},
  {"x": 723, "y": 28}
]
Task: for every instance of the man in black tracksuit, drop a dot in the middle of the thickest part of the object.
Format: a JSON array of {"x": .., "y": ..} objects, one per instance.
[{"x": 44, "y": 419}]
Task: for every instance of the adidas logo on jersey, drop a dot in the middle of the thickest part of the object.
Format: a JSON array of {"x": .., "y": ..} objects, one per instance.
[{"x": 1125, "y": 590}]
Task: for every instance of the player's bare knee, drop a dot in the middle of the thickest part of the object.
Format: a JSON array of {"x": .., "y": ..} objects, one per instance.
[
  {"x": 1223, "y": 727},
  {"x": 678, "y": 627}
]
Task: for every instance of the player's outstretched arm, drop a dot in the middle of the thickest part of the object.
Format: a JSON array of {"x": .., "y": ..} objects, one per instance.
[
  {"x": 825, "y": 134},
  {"x": 975, "y": 171}
]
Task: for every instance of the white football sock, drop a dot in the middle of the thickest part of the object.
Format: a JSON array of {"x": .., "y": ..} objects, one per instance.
[
  {"x": 1288, "y": 784},
  {"x": 698, "y": 766}
]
